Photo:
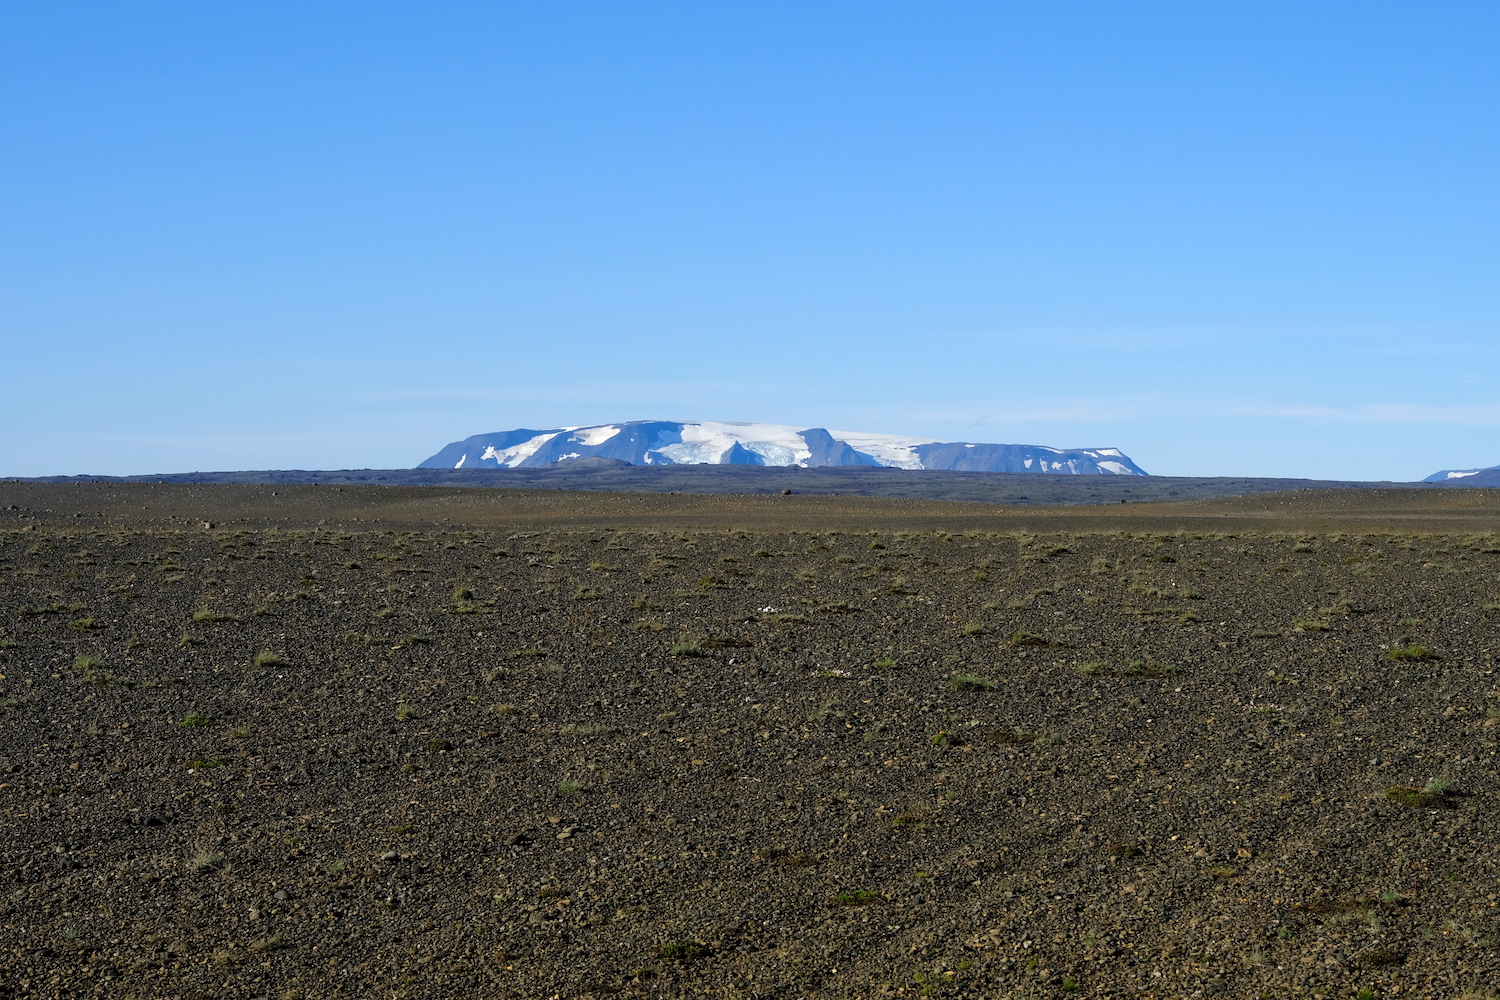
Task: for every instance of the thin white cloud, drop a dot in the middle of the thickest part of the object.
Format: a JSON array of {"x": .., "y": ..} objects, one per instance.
[
  {"x": 1470, "y": 414},
  {"x": 1364, "y": 338},
  {"x": 568, "y": 392}
]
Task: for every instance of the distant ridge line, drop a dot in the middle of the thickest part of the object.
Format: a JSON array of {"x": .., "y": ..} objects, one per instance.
[{"x": 1031, "y": 488}]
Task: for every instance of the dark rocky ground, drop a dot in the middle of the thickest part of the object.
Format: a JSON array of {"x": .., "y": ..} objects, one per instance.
[
  {"x": 502, "y": 761},
  {"x": 269, "y": 505},
  {"x": 1031, "y": 489}
]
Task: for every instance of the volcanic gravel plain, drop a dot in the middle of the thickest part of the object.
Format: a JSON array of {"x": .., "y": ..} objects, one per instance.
[{"x": 481, "y": 753}]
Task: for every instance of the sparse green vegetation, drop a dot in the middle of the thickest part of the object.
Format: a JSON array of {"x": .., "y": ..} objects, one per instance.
[
  {"x": 1021, "y": 637},
  {"x": 1433, "y": 795},
  {"x": 1093, "y": 781},
  {"x": 683, "y": 951},
  {"x": 1134, "y": 668}
]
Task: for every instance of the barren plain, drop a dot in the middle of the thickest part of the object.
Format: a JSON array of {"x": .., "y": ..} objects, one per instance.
[{"x": 305, "y": 742}]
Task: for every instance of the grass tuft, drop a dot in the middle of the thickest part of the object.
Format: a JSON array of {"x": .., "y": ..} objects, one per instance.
[
  {"x": 1135, "y": 668},
  {"x": 1021, "y": 637},
  {"x": 683, "y": 951},
  {"x": 1433, "y": 795}
]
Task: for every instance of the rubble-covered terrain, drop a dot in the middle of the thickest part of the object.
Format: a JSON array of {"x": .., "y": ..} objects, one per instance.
[{"x": 458, "y": 762}]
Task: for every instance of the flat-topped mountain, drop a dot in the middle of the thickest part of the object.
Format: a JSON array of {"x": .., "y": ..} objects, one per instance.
[{"x": 707, "y": 442}]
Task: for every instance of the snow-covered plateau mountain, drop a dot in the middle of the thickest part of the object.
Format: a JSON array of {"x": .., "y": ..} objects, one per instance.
[
  {"x": 1466, "y": 477},
  {"x": 707, "y": 442}
]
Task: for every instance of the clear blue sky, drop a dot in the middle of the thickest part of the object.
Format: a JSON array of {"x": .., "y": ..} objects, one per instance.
[{"x": 1229, "y": 238}]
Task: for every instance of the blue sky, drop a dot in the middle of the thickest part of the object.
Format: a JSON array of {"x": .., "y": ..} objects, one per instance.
[{"x": 1230, "y": 239}]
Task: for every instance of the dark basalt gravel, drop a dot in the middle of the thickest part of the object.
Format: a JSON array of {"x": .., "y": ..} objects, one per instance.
[
  {"x": 1029, "y": 488},
  {"x": 317, "y": 763}
]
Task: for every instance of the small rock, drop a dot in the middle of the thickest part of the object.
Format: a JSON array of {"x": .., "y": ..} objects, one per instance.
[
  {"x": 280, "y": 895},
  {"x": 389, "y": 856}
]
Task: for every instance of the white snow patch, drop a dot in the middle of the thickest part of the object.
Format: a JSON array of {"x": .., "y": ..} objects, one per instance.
[
  {"x": 1027, "y": 463},
  {"x": 706, "y": 442},
  {"x": 1460, "y": 475},
  {"x": 591, "y": 436},
  {"x": 461, "y": 458},
  {"x": 969, "y": 446},
  {"x": 517, "y": 453},
  {"x": 571, "y": 454},
  {"x": 1117, "y": 453},
  {"x": 891, "y": 450},
  {"x": 1116, "y": 468}
]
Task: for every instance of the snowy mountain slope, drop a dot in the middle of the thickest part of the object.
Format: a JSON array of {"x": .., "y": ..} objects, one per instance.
[
  {"x": 661, "y": 442},
  {"x": 1466, "y": 477}
]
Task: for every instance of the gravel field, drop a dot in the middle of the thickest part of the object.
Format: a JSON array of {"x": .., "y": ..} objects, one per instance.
[{"x": 874, "y": 751}]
